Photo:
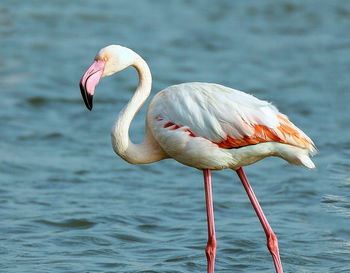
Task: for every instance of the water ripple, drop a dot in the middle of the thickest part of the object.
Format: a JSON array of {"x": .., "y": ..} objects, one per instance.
[{"x": 69, "y": 223}]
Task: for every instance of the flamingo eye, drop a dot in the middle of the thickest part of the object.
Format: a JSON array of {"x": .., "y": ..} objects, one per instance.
[{"x": 105, "y": 59}]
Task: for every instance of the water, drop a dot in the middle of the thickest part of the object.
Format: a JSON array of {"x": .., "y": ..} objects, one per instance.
[{"x": 68, "y": 204}]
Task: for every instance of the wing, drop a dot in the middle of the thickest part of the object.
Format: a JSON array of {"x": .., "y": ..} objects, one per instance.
[{"x": 227, "y": 117}]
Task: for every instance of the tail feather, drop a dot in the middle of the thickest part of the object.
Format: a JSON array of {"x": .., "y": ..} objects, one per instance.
[{"x": 306, "y": 161}]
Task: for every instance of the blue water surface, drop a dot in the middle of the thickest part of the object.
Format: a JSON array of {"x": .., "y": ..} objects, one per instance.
[{"x": 69, "y": 204}]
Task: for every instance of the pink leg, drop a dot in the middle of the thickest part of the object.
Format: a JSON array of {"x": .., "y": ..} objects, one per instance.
[
  {"x": 211, "y": 245},
  {"x": 272, "y": 243}
]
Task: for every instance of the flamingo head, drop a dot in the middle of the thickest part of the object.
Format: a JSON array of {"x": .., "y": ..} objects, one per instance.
[{"x": 109, "y": 60}]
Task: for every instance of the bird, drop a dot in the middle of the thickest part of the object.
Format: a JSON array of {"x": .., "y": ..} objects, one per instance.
[{"x": 206, "y": 126}]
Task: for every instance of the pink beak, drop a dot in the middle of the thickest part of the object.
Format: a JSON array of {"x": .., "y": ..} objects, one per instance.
[{"x": 89, "y": 81}]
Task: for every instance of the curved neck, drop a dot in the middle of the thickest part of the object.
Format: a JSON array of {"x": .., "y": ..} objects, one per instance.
[{"x": 149, "y": 151}]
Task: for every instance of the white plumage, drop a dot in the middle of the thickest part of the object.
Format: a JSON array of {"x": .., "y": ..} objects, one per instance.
[{"x": 212, "y": 113}]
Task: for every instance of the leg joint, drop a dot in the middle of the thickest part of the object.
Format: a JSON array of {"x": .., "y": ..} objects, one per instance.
[
  {"x": 272, "y": 242},
  {"x": 211, "y": 248}
]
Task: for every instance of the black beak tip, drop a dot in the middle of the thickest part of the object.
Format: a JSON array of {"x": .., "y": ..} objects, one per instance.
[{"x": 86, "y": 96}]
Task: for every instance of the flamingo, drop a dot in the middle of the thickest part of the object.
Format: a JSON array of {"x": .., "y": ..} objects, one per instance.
[{"x": 202, "y": 125}]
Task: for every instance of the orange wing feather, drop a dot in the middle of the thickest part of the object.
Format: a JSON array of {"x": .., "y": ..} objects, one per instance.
[{"x": 286, "y": 132}]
